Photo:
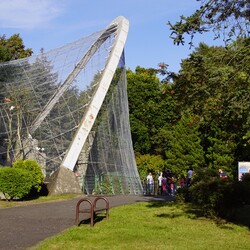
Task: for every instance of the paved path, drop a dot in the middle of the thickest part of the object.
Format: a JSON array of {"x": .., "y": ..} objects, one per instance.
[{"x": 25, "y": 226}]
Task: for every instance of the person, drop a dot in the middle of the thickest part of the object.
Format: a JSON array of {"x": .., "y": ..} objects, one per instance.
[
  {"x": 174, "y": 184},
  {"x": 223, "y": 175},
  {"x": 150, "y": 184},
  {"x": 189, "y": 176},
  {"x": 160, "y": 184},
  {"x": 171, "y": 184},
  {"x": 164, "y": 184},
  {"x": 182, "y": 181},
  {"x": 169, "y": 180}
]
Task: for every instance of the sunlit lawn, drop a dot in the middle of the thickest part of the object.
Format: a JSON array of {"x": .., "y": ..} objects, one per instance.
[{"x": 157, "y": 225}]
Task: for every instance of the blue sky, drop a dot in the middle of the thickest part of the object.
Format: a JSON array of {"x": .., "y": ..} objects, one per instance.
[{"x": 50, "y": 24}]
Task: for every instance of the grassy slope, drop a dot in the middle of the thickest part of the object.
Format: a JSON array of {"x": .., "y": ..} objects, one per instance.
[{"x": 158, "y": 225}]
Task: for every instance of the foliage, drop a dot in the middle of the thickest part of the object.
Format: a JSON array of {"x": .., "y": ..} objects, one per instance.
[
  {"x": 151, "y": 108},
  {"x": 218, "y": 197},
  {"x": 202, "y": 118},
  {"x": 149, "y": 163},
  {"x": 246, "y": 178},
  {"x": 223, "y": 17},
  {"x": 236, "y": 195},
  {"x": 200, "y": 175},
  {"x": 20, "y": 111},
  {"x": 15, "y": 183},
  {"x": 34, "y": 169},
  {"x": 184, "y": 146},
  {"x": 182, "y": 195},
  {"x": 215, "y": 88},
  {"x": 220, "y": 152},
  {"x": 207, "y": 194},
  {"x": 13, "y": 48}
]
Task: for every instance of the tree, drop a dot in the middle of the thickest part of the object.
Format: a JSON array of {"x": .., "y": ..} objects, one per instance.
[
  {"x": 13, "y": 93},
  {"x": 10, "y": 49},
  {"x": 150, "y": 107},
  {"x": 214, "y": 84},
  {"x": 229, "y": 18},
  {"x": 184, "y": 145},
  {"x": 13, "y": 48},
  {"x": 149, "y": 163},
  {"x": 26, "y": 88}
]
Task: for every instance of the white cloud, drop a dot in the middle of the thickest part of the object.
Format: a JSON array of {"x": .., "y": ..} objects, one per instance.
[{"x": 29, "y": 13}]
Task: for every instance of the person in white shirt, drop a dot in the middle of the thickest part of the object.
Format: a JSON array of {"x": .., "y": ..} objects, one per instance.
[
  {"x": 160, "y": 184},
  {"x": 150, "y": 184}
]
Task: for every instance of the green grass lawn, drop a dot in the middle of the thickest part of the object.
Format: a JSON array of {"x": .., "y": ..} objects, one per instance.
[{"x": 157, "y": 225}]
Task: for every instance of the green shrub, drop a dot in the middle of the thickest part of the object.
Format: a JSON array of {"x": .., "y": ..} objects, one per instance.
[
  {"x": 219, "y": 197},
  {"x": 182, "y": 195},
  {"x": 234, "y": 196},
  {"x": 205, "y": 174},
  {"x": 246, "y": 178},
  {"x": 15, "y": 183},
  {"x": 36, "y": 171},
  {"x": 207, "y": 194},
  {"x": 149, "y": 163},
  {"x": 246, "y": 183}
]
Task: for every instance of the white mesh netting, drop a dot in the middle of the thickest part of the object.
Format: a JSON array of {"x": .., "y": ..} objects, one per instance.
[{"x": 43, "y": 100}]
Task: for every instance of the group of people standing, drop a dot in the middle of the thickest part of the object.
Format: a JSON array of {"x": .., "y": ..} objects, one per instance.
[{"x": 167, "y": 182}]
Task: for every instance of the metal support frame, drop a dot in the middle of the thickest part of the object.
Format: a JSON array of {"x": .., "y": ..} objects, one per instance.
[{"x": 120, "y": 26}]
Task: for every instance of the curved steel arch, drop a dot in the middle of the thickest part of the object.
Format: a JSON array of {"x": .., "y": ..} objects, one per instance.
[{"x": 120, "y": 27}]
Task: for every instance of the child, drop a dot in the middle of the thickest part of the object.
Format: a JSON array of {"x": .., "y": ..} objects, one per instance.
[{"x": 223, "y": 175}]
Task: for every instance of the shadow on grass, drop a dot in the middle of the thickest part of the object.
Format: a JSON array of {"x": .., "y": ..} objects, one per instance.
[
  {"x": 193, "y": 212},
  {"x": 84, "y": 222},
  {"x": 169, "y": 216},
  {"x": 241, "y": 217},
  {"x": 87, "y": 221},
  {"x": 158, "y": 204},
  {"x": 186, "y": 208},
  {"x": 99, "y": 218}
]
